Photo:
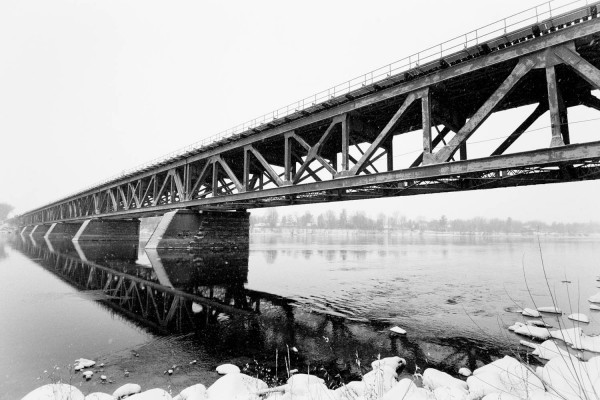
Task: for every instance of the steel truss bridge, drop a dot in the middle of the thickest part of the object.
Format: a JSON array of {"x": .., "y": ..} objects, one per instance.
[{"x": 342, "y": 148}]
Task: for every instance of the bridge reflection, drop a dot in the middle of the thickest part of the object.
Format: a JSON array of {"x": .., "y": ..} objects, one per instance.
[{"x": 175, "y": 292}]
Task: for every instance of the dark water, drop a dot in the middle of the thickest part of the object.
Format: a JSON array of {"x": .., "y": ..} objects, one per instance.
[{"x": 333, "y": 298}]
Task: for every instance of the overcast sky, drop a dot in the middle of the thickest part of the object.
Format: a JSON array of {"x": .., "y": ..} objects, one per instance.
[{"x": 90, "y": 88}]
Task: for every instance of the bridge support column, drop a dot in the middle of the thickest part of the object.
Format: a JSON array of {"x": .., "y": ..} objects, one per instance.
[
  {"x": 206, "y": 230},
  {"x": 27, "y": 230},
  {"x": 63, "y": 230},
  {"x": 39, "y": 230},
  {"x": 108, "y": 230}
]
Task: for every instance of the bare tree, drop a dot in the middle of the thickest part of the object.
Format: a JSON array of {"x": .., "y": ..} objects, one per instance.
[{"x": 5, "y": 209}]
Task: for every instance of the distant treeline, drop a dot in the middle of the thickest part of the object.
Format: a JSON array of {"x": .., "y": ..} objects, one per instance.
[{"x": 361, "y": 221}]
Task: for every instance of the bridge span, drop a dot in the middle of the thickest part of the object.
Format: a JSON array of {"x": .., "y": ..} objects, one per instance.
[{"x": 341, "y": 145}]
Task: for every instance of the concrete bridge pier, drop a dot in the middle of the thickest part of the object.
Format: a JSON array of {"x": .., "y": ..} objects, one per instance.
[
  {"x": 27, "y": 230},
  {"x": 108, "y": 230},
  {"x": 62, "y": 230},
  {"x": 39, "y": 230},
  {"x": 204, "y": 230}
]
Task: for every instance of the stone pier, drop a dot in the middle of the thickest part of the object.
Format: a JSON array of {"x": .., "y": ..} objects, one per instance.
[
  {"x": 63, "y": 230},
  {"x": 39, "y": 230},
  {"x": 207, "y": 230},
  {"x": 108, "y": 230}
]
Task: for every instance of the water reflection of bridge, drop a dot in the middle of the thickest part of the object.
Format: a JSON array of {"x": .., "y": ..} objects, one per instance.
[{"x": 180, "y": 292}]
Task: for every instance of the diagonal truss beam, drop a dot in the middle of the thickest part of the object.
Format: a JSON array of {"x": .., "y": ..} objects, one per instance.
[
  {"x": 521, "y": 69},
  {"x": 586, "y": 70},
  {"x": 218, "y": 159},
  {"x": 362, "y": 163},
  {"x": 268, "y": 169},
  {"x": 538, "y": 112}
]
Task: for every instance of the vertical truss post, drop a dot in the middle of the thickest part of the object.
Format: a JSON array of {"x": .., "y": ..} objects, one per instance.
[
  {"x": 558, "y": 113},
  {"x": 215, "y": 178},
  {"x": 246, "y": 177},
  {"x": 346, "y": 125},
  {"x": 426, "y": 118},
  {"x": 463, "y": 151},
  {"x": 187, "y": 182},
  {"x": 287, "y": 173}
]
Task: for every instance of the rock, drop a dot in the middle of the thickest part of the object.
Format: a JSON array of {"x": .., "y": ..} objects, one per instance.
[
  {"x": 549, "y": 350},
  {"x": 538, "y": 322},
  {"x": 397, "y": 330},
  {"x": 550, "y": 310},
  {"x": 88, "y": 374},
  {"x": 55, "y": 391},
  {"x": 195, "y": 392},
  {"x": 530, "y": 312},
  {"x": 231, "y": 385},
  {"x": 127, "y": 390},
  {"x": 303, "y": 386},
  {"x": 152, "y": 394},
  {"x": 500, "y": 396},
  {"x": 571, "y": 336},
  {"x": 228, "y": 369},
  {"x": 563, "y": 372},
  {"x": 82, "y": 363},
  {"x": 449, "y": 393},
  {"x": 520, "y": 380},
  {"x": 464, "y": 371},
  {"x": 170, "y": 371},
  {"x": 532, "y": 331},
  {"x": 402, "y": 390},
  {"x": 392, "y": 362},
  {"x": 594, "y": 307},
  {"x": 99, "y": 396},
  {"x": 595, "y": 298},
  {"x": 433, "y": 379},
  {"x": 528, "y": 344},
  {"x": 579, "y": 317},
  {"x": 103, "y": 377},
  {"x": 196, "y": 308},
  {"x": 379, "y": 381}
]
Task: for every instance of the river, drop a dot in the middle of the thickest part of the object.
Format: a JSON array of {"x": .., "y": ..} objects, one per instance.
[{"x": 308, "y": 300}]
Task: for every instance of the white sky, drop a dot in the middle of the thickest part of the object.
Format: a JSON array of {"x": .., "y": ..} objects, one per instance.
[{"x": 90, "y": 88}]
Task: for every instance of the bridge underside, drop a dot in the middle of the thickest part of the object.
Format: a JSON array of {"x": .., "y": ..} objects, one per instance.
[{"x": 354, "y": 146}]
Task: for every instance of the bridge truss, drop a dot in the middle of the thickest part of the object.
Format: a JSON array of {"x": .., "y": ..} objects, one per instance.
[{"x": 343, "y": 148}]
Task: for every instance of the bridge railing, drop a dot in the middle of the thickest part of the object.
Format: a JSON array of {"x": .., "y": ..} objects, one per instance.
[{"x": 546, "y": 16}]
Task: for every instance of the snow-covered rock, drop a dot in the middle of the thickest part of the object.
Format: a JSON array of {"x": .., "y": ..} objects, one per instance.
[
  {"x": 379, "y": 381},
  {"x": 397, "y": 330},
  {"x": 433, "y": 379},
  {"x": 487, "y": 379},
  {"x": 528, "y": 344},
  {"x": 55, "y": 391},
  {"x": 99, "y": 396},
  {"x": 228, "y": 369},
  {"x": 594, "y": 307},
  {"x": 392, "y": 362},
  {"x": 595, "y": 298},
  {"x": 520, "y": 380},
  {"x": 570, "y": 378},
  {"x": 549, "y": 350},
  {"x": 579, "y": 317},
  {"x": 152, "y": 394},
  {"x": 464, "y": 371},
  {"x": 195, "y": 392},
  {"x": 500, "y": 396},
  {"x": 88, "y": 374},
  {"x": 538, "y": 322},
  {"x": 531, "y": 331},
  {"x": 571, "y": 336},
  {"x": 231, "y": 385},
  {"x": 449, "y": 393},
  {"x": 550, "y": 310},
  {"x": 530, "y": 312},
  {"x": 304, "y": 386},
  {"x": 402, "y": 390},
  {"x": 127, "y": 389},
  {"x": 82, "y": 363}
]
